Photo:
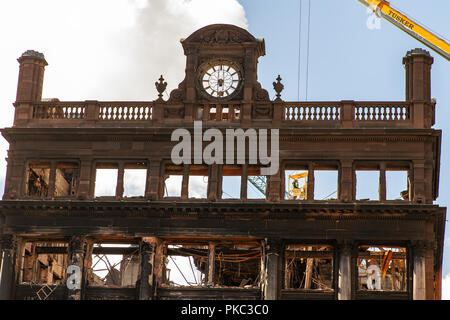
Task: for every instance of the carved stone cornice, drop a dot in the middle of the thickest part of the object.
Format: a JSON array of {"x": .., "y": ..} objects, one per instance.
[
  {"x": 382, "y": 137},
  {"x": 205, "y": 209}
]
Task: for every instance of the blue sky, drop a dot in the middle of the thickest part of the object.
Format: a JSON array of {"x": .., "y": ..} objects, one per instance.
[
  {"x": 348, "y": 61},
  {"x": 116, "y": 50}
]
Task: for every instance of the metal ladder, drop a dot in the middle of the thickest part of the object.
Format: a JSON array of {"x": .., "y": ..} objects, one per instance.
[{"x": 45, "y": 291}]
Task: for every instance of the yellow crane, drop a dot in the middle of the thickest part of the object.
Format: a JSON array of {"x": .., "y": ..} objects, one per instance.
[
  {"x": 297, "y": 186},
  {"x": 383, "y": 9}
]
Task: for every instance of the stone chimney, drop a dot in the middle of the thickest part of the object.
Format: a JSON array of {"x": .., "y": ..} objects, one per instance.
[
  {"x": 417, "y": 64},
  {"x": 29, "y": 87}
]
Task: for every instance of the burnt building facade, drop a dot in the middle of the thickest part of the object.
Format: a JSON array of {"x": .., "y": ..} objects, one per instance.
[{"x": 66, "y": 235}]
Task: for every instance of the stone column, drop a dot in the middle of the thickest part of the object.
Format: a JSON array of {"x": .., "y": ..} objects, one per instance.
[
  {"x": 52, "y": 180},
  {"x": 86, "y": 181},
  {"x": 249, "y": 80},
  {"x": 211, "y": 263},
  {"x": 244, "y": 181},
  {"x": 158, "y": 265},
  {"x": 214, "y": 182},
  {"x": 273, "y": 263},
  {"x": 419, "y": 276},
  {"x": 8, "y": 245},
  {"x": 119, "y": 186},
  {"x": 310, "y": 188},
  {"x": 347, "y": 183},
  {"x": 14, "y": 188},
  {"x": 382, "y": 182},
  {"x": 185, "y": 183},
  {"x": 274, "y": 188},
  {"x": 345, "y": 271},
  {"x": 145, "y": 290},
  {"x": 155, "y": 183},
  {"x": 419, "y": 181},
  {"x": 430, "y": 274},
  {"x": 75, "y": 268}
]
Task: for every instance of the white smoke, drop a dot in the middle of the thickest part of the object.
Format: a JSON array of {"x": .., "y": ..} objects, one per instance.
[
  {"x": 446, "y": 287},
  {"x": 102, "y": 49}
]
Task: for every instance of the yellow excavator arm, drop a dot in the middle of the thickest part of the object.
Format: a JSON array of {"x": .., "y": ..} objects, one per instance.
[
  {"x": 383, "y": 9},
  {"x": 298, "y": 190}
]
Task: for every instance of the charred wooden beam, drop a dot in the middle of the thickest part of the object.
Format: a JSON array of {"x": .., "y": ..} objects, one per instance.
[
  {"x": 49, "y": 250},
  {"x": 115, "y": 250}
]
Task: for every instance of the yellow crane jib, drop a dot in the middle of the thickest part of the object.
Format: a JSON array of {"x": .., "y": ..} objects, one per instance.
[
  {"x": 297, "y": 186},
  {"x": 384, "y": 10}
]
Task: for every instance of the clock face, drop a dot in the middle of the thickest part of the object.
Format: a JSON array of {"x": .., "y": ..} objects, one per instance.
[{"x": 220, "y": 79}]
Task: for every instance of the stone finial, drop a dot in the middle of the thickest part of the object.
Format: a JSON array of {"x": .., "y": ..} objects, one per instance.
[
  {"x": 278, "y": 87},
  {"x": 160, "y": 87}
]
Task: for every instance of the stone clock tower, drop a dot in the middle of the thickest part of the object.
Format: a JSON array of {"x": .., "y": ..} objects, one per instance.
[{"x": 221, "y": 67}]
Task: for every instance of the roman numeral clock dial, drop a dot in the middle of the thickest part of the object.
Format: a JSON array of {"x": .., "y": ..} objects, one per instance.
[{"x": 220, "y": 79}]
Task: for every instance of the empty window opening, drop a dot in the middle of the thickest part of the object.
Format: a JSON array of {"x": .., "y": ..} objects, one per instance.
[
  {"x": 382, "y": 268},
  {"x": 200, "y": 112},
  {"x": 114, "y": 265},
  {"x": 308, "y": 267},
  {"x": 185, "y": 265},
  {"x": 44, "y": 263},
  {"x": 397, "y": 185},
  {"x": 173, "y": 181},
  {"x": 66, "y": 179},
  {"x": 225, "y": 113},
  {"x": 237, "y": 265},
  {"x": 256, "y": 184},
  {"x": 105, "y": 180},
  {"x": 212, "y": 113},
  {"x": 296, "y": 184},
  {"x": 367, "y": 185},
  {"x": 325, "y": 184},
  {"x": 236, "y": 113},
  {"x": 134, "y": 179},
  {"x": 232, "y": 265},
  {"x": 38, "y": 177},
  {"x": 198, "y": 181},
  {"x": 256, "y": 187},
  {"x": 231, "y": 182}
]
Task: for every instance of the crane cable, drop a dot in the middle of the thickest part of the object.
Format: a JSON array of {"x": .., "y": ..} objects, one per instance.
[
  {"x": 299, "y": 47},
  {"x": 307, "y": 49}
]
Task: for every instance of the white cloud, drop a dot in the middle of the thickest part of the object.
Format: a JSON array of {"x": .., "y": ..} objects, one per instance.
[
  {"x": 103, "y": 49},
  {"x": 446, "y": 287}
]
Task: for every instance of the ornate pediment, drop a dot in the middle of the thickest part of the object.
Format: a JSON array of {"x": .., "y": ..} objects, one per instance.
[{"x": 220, "y": 34}]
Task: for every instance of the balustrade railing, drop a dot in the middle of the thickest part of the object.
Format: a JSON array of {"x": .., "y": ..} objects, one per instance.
[
  {"x": 316, "y": 114},
  {"x": 381, "y": 112},
  {"x": 125, "y": 111},
  {"x": 358, "y": 113},
  {"x": 312, "y": 111},
  {"x": 59, "y": 110}
]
